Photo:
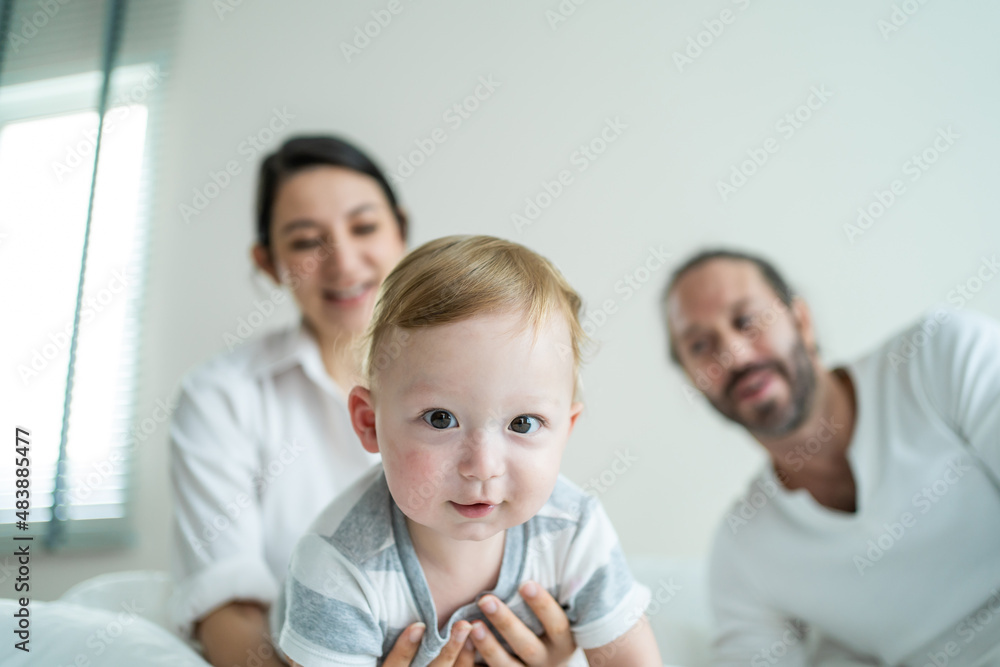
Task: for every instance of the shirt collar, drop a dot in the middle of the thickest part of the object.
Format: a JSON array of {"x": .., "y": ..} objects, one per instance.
[{"x": 296, "y": 346}]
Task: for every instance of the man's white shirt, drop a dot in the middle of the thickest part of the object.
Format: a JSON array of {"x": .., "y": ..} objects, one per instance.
[{"x": 913, "y": 573}]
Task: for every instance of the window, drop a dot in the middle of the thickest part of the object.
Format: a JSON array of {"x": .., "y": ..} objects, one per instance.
[{"x": 48, "y": 133}]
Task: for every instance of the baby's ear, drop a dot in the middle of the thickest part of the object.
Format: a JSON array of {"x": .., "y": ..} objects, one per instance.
[
  {"x": 574, "y": 411},
  {"x": 359, "y": 404}
]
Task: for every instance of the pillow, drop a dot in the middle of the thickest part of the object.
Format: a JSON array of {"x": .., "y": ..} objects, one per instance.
[{"x": 69, "y": 635}]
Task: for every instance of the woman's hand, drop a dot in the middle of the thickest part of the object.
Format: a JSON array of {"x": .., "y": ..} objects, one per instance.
[
  {"x": 552, "y": 649},
  {"x": 236, "y": 635}
]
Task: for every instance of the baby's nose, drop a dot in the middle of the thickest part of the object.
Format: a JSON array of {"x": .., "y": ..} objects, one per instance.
[{"x": 483, "y": 456}]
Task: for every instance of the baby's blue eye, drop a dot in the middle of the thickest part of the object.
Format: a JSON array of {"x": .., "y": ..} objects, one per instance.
[
  {"x": 441, "y": 419},
  {"x": 524, "y": 424}
]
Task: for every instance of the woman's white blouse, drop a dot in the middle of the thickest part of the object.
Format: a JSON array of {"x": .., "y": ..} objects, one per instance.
[{"x": 260, "y": 442}]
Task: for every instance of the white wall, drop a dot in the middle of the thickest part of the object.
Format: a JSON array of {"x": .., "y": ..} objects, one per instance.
[{"x": 654, "y": 187}]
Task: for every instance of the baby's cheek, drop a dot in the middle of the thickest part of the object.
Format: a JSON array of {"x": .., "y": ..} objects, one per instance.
[
  {"x": 538, "y": 478},
  {"x": 420, "y": 479}
]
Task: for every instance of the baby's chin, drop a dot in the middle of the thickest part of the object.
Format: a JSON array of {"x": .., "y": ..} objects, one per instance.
[
  {"x": 477, "y": 534},
  {"x": 469, "y": 532},
  {"x": 500, "y": 520}
]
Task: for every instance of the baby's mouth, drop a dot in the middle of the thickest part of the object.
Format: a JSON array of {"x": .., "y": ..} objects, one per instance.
[{"x": 473, "y": 510}]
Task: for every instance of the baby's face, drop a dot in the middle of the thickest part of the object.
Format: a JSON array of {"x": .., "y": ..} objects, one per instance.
[{"x": 472, "y": 419}]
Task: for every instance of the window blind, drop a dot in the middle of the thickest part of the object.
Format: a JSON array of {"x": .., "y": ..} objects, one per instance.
[{"x": 74, "y": 200}]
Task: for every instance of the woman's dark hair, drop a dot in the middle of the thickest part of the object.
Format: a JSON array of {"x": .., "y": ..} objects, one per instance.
[{"x": 298, "y": 153}]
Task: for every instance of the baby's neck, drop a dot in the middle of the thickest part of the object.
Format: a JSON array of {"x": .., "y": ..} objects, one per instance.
[{"x": 456, "y": 570}]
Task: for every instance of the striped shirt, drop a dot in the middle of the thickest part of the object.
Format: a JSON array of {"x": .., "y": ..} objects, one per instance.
[{"x": 355, "y": 583}]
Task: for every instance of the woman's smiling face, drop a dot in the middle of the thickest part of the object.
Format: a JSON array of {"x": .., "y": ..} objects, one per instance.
[{"x": 334, "y": 240}]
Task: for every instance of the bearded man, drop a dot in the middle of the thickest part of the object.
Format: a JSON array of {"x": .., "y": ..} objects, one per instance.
[{"x": 875, "y": 523}]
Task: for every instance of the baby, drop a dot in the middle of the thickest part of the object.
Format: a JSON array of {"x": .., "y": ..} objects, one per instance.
[{"x": 472, "y": 361}]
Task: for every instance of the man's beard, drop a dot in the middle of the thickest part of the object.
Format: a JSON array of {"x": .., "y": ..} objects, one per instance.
[{"x": 769, "y": 418}]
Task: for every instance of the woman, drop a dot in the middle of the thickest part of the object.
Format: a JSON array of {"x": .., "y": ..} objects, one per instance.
[{"x": 261, "y": 439}]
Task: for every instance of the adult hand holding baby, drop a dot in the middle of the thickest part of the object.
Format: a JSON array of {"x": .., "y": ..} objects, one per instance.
[{"x": 553, "y": 649}]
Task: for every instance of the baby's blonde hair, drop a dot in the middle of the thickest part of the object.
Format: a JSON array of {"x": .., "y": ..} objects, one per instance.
[{"x": 458, "y": 277}]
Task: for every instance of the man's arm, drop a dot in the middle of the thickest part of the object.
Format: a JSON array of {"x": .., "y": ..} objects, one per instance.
[{"x": 960, "y": 372}]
